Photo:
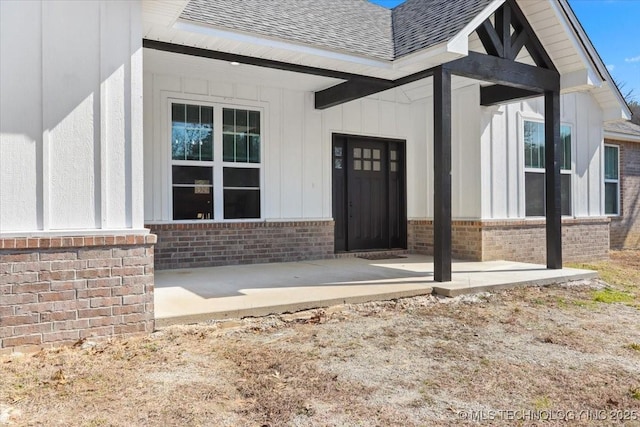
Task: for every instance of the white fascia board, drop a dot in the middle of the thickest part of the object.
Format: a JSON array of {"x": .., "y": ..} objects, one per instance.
[
  {"x": 280, "y": 45},
  {"x": 427, "y": 58},
  {"x": 453, "y": 49},
  {"x": 618, "y": 136},
  {"x": 460, "y": 42}
]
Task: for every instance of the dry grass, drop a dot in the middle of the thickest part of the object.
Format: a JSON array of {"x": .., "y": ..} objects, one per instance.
[{"x": 417, "y": 361}]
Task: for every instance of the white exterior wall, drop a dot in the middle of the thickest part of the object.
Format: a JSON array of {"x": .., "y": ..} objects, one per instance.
[
  {"x": 70, "y": 117},
  {"x": 296, "y": 139},
  {"x": 487, "y": 146},
  {"x": 503, "y": 194}
]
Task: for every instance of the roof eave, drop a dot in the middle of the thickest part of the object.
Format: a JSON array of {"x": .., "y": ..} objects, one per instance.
[{"x": 619, "y": 136}]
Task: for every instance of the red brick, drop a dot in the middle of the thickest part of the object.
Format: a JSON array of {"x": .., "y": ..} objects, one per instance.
[
  {"x": 60, "y": 336},
  {"x": 11, "y": 279},
  {"x": 58, "y": 316},
  {"x": 93, "y": 273},
  {"x": 58, "y": 275},
  {"x": 94, "y": 312},
  {"x": 18, "y": 257},
  {"x": 71, "y": 305},
  {"x": 66, "y": 285},
  {"x": 134, "y": 299},
  {"x": 16, "y": 320},
  {"x": 105, "y": 301},
  {"x": 57, "y": 296},
  {"x": 37, "y": 307},
  {"x": 130, "y": 309},
  {"x": 31, "y": 287},
  {"x": 104, "y": 282},
  {"x": 22, "y": 340},
  {"x": 36, "y": 328},
  {"x": 19, "y": 299},
  {"x": 93, "y": 293},
  {"x": 105, "y": 321},
  {"x": 127, "y": 290},
  {"x": 66, "y": 325}
]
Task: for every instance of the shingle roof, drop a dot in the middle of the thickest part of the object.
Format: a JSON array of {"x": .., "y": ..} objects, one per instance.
[
  {"x": 419, "y": 24},
  {"x": 622, "y": 126},
  {"x": 354, "y": 26}
]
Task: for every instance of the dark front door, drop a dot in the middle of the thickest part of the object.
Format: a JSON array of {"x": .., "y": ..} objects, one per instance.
[{"x": 368, "y": 183}]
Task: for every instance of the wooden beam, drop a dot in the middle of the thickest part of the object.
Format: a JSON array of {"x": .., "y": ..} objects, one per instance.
[
  {"x": 504, "y": 72},
  {"x": 442, "y": 175},
  {"x": 517, "y": 43},
  {"x": 259, "y": 62},
  {"x": 489, "y": 38},
  {"x": 503, "y": 28},
  {"x": 534, "y": 46},
  {"x": 355, "y": 89},
  {"x": 498, "y": 94},
  {"x": 348, "y": 91},
  {"x": 552, "y": 152}
]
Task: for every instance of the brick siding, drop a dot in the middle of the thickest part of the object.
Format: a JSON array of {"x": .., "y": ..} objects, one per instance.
[
  {"x": 59, "y": 290},
  {"x": 625, "y": 229},
  {"x": 214, "y": 244},
  {"x": 515, "y": 240}
]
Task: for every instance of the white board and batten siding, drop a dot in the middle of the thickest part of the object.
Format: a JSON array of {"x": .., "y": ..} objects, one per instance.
[
  {"x": 70, "y": 117},
  {"x": 503, "y": 193},
  {"x": 296, "y": 138}
]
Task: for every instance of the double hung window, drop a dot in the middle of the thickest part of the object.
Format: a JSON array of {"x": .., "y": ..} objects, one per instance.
[
  {"x": 215, "y": 162},
  {"x": 534, "y": 172}
]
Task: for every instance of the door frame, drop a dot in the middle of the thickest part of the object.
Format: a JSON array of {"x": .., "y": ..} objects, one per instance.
[{"x": 397, "y": 238}]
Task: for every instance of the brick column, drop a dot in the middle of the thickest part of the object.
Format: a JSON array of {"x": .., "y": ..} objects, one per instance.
[{"x": 58, "y": 290}]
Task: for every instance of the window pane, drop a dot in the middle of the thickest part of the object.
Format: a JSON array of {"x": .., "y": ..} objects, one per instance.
[
  {"x": 178, "y": 141},
  {"x": 534, "y": 193},
  {"x": 611, "y": 198},
  {"x": 191, "y": 132},
  {"x": 189, "y": 204},
  {"x": 241, "y": 135},
  {"x": 565, "y": 140},
  {"x": 611, "y": 162},
  {"x": 565, "y": 194},
  {"x": 241, "y": 148},
  {"x": 228, "y": 120},
  {"x": 228, "y": 147},
  {"x": 254, "y": 122},
  {"x": 241, "y": 204},
  {"x": 242, "y": 121},
  {"x": 534, "y": 144},
  {"x": 193, "y": 115},
  {"x": 254, "y": 149},
  {"x": 190, "y": 174},
  {"x": 241, "y": 177}
]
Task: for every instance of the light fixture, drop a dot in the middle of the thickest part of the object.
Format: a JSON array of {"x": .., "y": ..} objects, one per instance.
[{"x": 234, "y": 63}]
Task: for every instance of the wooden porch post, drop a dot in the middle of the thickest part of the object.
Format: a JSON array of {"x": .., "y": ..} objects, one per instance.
[
  {"x": 442, "y": 174},
  {"x": 552, "y": 175}
]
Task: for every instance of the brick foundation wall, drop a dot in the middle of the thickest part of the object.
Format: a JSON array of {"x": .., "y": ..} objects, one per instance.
[
  {"x": 515, "y": 240},
  {"x": 214, "y": 244},
  {"x": 625, "y": 229},
  {"x": 57, "y": 290}
]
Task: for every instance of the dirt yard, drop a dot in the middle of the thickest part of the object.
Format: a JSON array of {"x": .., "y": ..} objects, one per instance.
[{"x": 569, "y": 355}]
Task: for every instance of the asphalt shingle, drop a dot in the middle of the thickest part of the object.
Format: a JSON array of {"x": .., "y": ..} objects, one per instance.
[
  {"x": 419, "y": 24},
  {"x": 353, "y": 26},
  {"x": 622, "y": 126}
]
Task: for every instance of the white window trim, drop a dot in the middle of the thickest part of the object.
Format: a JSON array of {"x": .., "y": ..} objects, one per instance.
[
  {"x": 217, "y": 165},
  {"x": 525, "y": 117},
  {"x": 613, "y": 181}
]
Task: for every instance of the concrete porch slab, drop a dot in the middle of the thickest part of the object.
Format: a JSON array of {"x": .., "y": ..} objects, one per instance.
[{"x": 200, "y": 294}]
